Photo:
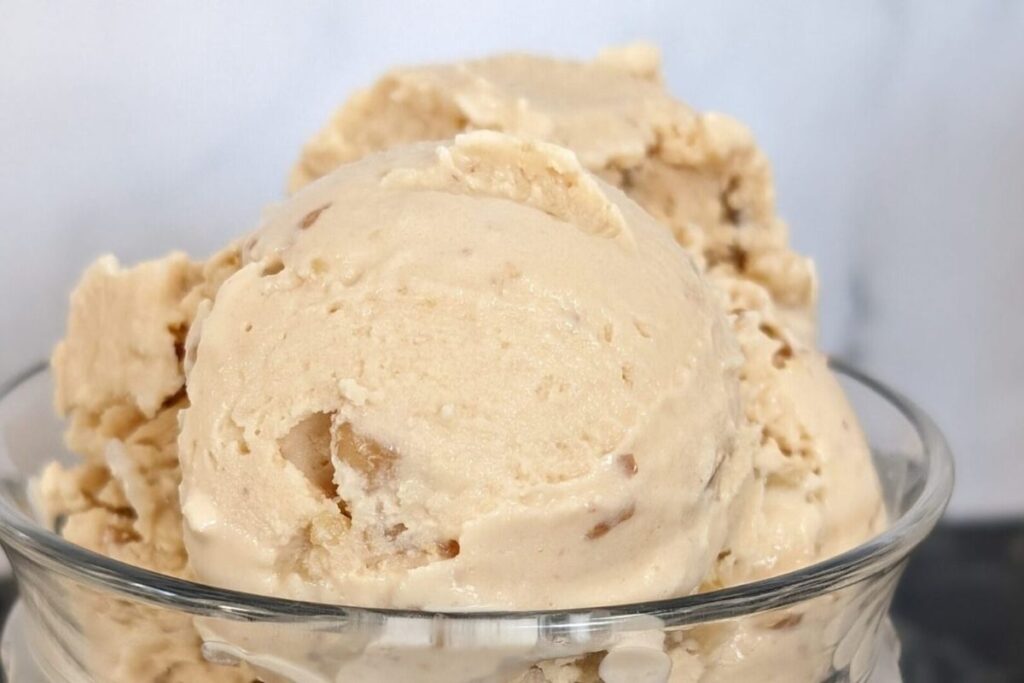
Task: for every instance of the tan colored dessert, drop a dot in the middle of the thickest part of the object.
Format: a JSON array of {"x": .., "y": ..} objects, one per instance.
[
  {"x": 462, "y": 376},
  {"x": 700, "y": 174},
  {"x": 119, "y": 380},
  {"x": 474, "y": 340},
  {"x": 704, "y": 177}
]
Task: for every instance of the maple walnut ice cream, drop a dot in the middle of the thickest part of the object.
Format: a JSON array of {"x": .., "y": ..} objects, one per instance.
[{"x": 527, "y": 335}]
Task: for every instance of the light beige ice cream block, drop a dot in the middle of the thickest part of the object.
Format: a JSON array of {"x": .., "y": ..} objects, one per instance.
[
  {"x": 126, "y": 506},
  {"x": 120, "y": 359},
  {"x": 700, "y": 174},
  {"x": 496, "y": 360},
  {"x": 703, "y": 176},
  {"x": 123, "y": 330},
  {"x": 119, "y": 379},
  {"x": 815, "y": 492},
  {"x": 848, "y": 491}
]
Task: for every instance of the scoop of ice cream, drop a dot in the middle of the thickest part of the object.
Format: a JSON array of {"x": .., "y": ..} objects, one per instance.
[
  {"x": 119, "y": 381},
  {"x": 462, "y": 375},
  {"x": 700, "y": 174},
  {"x": 814, "y": 490},
  {"x": 129, "y": 321}
]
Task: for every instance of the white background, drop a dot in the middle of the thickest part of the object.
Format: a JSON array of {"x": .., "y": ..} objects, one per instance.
[{"x": 896, "y": 129}]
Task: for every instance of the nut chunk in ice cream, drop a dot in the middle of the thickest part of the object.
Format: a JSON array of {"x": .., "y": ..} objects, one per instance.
[{"x": 465, "y": 374}]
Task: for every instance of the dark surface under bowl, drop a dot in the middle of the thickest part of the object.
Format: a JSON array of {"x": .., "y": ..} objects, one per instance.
[{"x": 959, "y": 608}]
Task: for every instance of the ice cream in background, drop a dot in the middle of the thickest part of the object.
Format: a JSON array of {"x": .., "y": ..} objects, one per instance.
[
  {"x": 119, "y": 379},
  {"x": 346, "y": 362},
  {"x": 700, "y": 174}
]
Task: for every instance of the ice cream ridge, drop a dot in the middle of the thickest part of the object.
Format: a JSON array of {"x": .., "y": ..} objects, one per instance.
[{"x": 527, "y": 335}]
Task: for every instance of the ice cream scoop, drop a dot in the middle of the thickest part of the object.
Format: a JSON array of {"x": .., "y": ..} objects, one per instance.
[
  {"x": 814, "y": 491},
  {"x": 462, "y": 375}
]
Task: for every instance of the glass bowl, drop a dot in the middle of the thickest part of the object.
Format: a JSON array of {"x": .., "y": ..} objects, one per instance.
[{"x": 84, "y": 617}]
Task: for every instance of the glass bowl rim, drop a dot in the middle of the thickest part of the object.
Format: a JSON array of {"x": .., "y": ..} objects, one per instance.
[{"x": 875, "y": 556}]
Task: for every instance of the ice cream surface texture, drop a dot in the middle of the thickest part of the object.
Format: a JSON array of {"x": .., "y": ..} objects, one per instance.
[
  {"x": 528, "y": 334},
  {"x": 465, "y": 374},
  {"x": 700, "y": 174},
  {"x": 815, "y": 492}
]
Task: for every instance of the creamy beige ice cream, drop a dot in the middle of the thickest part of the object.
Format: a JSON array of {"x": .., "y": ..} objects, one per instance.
[
  {"x": 120, "y": 382},
  {"x": 462, "y": 375},
  {"x": 703, "y": 176},
  {"x": 470, "y": 374},
  {"x": 700, "y": 174}
]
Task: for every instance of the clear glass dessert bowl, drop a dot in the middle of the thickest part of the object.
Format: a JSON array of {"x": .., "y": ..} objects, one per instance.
[{"x": 85, "y": 617}]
